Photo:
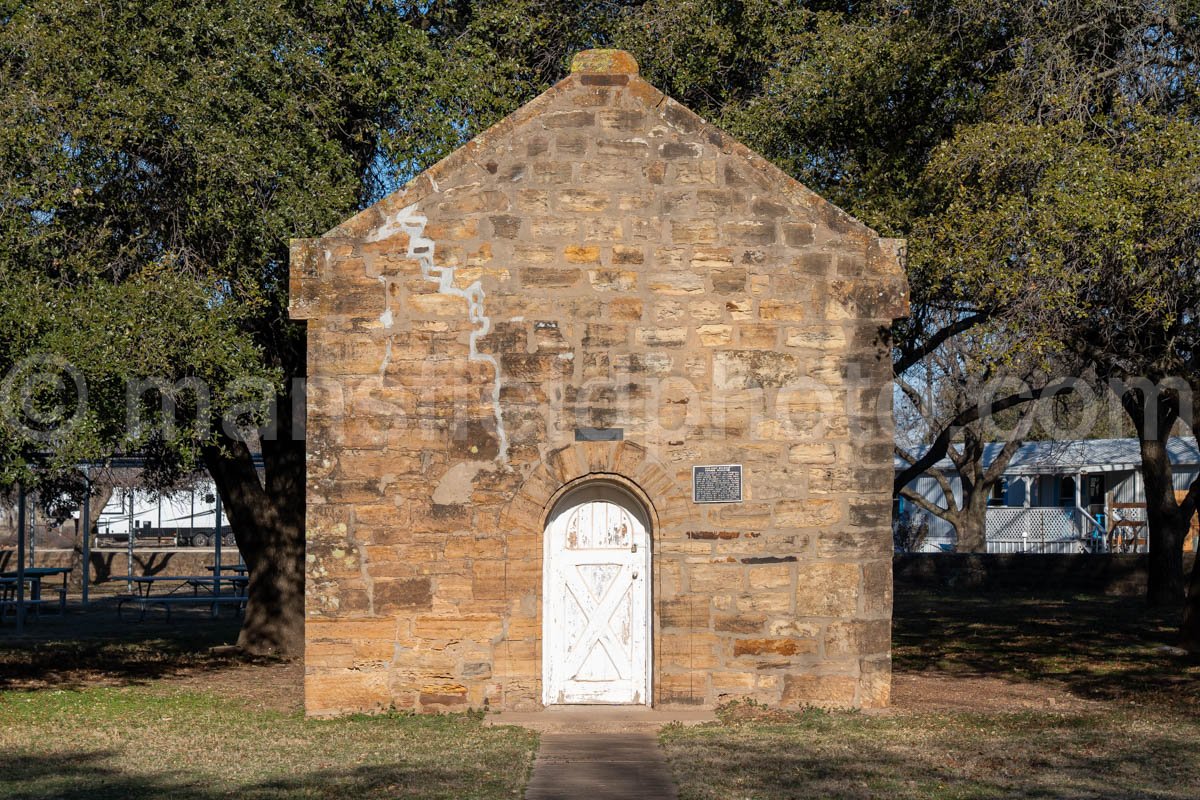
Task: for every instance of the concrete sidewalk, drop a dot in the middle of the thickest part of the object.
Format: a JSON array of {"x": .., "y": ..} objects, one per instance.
[
  {"x": 600, "y": 766},
  {"x": 599, "y": 719}
]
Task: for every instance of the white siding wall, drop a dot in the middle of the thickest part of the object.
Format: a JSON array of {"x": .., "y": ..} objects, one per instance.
[
  {"x": 940, "y": 531},
  {"x": 1131, "y": 489}
]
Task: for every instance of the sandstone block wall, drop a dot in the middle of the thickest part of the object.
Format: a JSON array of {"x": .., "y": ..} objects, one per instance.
[{"x": 601, "y": 259}]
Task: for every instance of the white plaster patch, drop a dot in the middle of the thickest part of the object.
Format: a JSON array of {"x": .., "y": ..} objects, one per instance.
[
  {"x": 390, "y": 227},
  {"x": 455, "y": 486}
]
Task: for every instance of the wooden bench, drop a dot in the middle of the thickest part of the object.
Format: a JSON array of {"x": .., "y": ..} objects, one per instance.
[
  {"x": 61, "y": 601},
  {"x": 8, "y": 598},
  {"x": 167, "y": 601},
  {"x": 10, "y": 604}
]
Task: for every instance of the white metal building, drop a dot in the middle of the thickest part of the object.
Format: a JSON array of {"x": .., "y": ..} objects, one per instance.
[
  {"x": 187, "y": 517},
  {"x": 1062, "y": 497}
]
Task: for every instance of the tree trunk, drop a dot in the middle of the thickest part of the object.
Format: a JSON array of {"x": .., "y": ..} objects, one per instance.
[
  {"x": 267, "y": 516},
  {"x": 1167, "y": 523},
  {"x": 97, "y": 501},
  {"x": 1154, "y": 415},
  {"x": 101, "y": 494},
  {"x": 1189, "y": 631},
  {"x": 971, "y": 524}
]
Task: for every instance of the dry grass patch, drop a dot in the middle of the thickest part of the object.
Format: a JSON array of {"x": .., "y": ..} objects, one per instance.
[
  {"x": 132, "y": 742},
  {"x": 996, "y": 697},
  {"x": 93, "y": 710},
  {"x": 847, "y": 755}
]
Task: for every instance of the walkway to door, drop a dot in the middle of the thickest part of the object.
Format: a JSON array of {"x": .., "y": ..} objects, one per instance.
[
  {"x": 600, "y": 752},
  {"x": 600, "y": 766}
]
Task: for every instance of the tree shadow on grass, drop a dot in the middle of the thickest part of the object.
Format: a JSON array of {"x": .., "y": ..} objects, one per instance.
[
  {"x": 1104, "y": 648},
  {"x": 95, "y": 647},
  {"x": 1015, "y": 761},
  {"x": 91, "y": 775}
]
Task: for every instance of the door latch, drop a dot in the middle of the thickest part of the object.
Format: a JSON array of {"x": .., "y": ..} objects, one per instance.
[{"x": 633, "y": 549}]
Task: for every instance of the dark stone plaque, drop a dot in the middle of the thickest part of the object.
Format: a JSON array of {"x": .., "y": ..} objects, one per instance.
[
  {"x": 599, "y": 434},
  {"x": 718, "y": 483}
]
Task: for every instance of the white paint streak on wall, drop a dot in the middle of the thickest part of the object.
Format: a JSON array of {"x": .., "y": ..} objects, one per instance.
[
  {"x": 387, "y": 359},
  {"x": 412, "y": 222},
  {"x": 386, "y": 319}
]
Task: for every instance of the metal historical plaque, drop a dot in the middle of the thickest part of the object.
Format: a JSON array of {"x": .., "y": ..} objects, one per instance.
[{"x": 717, "y": 483}]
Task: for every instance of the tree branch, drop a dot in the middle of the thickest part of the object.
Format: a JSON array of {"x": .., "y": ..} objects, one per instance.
[
  {"x": 1191, "y": 501},
  {"x": 1015, "y": 439},
  {"x": 933, "y": 508},
  {"x": 941, "y": 444},
  {"x": 939, "y": 476},
  {"x": 914, "y": 397},
  {"x": 910, "y": 355}
]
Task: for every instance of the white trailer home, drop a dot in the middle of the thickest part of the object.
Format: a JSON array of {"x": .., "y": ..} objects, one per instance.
[
  {"x": 184, "y": 518},
  {"x": 1061, "y": 497}
]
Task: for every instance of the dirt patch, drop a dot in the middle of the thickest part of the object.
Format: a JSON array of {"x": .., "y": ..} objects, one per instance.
[
  {"x": 940, "y": 692},
  {"x": 261, "y": 685}
]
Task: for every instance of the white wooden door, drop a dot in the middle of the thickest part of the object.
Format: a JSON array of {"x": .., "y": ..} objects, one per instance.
[{"x": 596, "y": 600}]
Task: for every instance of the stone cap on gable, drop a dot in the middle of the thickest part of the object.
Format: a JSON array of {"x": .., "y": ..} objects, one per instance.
[{"x": 604, "y": 61}]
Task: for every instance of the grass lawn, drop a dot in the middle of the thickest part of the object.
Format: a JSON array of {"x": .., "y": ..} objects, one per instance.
[
  {"x": 994, "y": 697},
  {"x": 143, "y": 710}
]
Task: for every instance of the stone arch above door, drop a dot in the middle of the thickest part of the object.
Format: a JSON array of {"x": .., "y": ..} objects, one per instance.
[{"x": 624, "y": 463}]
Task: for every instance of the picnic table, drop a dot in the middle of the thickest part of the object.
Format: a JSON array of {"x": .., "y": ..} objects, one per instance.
[
  {"x": 34, "y": 576},
  {"x": 8, "y": 595},
  {"x": 240, "y": 569},
  {"x": 205, "y": 590}
]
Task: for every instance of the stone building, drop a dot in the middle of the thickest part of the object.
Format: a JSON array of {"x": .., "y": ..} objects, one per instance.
[{"x": 599, "y": 412}]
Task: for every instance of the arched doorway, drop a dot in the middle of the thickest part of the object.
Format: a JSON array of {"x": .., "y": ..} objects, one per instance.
[{"x": 596, "y": 599}]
